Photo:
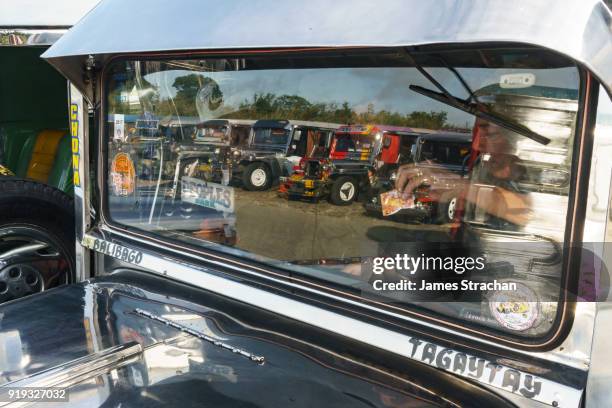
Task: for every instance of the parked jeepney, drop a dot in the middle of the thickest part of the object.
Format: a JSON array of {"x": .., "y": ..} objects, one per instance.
[
  {"x": 220, "y": 138},
  {"x": 36, "y": 180},
  {"x": 275, "y": 147},
  {"x": 343, "y": 172},
  {"x": 496, "y": 311},
  {"x": 436, "y": 199},
  {"x": 155, "y": 167}
]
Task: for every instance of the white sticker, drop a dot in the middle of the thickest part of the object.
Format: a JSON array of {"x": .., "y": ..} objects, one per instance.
[
  {"x": 119, "y": 128},
  {"x": 510, "y": 81},
  {"x": 205, "y": 194},
  {"x": 517, "y": 310},
  {"x": 226, "y": 176}
]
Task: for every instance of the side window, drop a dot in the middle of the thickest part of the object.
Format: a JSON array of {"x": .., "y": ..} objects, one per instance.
[
  {"x": 428, "y": 151},
  {"x": 300, "y": 141}
]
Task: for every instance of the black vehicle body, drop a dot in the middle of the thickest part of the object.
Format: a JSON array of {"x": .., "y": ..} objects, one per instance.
[
  {"x": 275, "y": 148},
  {"x": 447, "y": 152}
]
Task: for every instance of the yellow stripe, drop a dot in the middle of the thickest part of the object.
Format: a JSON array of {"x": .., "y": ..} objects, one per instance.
[
  {"x": 365, "y": 154},
  {"x": 43, "y": 154}
]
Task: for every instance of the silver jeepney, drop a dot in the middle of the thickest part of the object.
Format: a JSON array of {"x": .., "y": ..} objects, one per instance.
[{"x": 530, "y": 374}]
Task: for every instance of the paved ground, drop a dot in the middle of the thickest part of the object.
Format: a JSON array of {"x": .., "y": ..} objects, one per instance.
[{"x": 275, "y": 227}]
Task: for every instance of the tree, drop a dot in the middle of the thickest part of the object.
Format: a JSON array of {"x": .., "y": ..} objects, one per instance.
[
  {"x": 345, "y": 114},
  {"x": 271, "y": 106}
]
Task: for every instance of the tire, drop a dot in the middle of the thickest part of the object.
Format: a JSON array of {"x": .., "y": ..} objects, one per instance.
[
  {"x": 35, "y": 213},
  {"x": 447, "y": 208},
  {"x": 343, "y": 191},
  {"x": 257, "y": 177}
]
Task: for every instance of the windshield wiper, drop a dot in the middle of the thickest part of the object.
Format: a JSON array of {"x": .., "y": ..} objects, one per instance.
[{"x": 471, "y": 105}]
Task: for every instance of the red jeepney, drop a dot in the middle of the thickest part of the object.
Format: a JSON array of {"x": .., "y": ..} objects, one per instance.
[{"x": 343, "y": 172}]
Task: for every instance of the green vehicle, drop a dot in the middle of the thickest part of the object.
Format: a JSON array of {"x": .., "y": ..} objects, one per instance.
[{"x": 36, "y": 177}]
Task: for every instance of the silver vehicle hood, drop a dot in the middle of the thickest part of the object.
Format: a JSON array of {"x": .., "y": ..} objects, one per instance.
[
  {"x": 133, "y": 340},
  {"x": 140, "y": 26}
]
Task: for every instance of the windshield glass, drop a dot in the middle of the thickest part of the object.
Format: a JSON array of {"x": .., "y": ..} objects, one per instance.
[
  {"x": 270, "y": 136},
  {"x": 212, "y": 134},
  {"x": 444, "y": 152},
  {"x": 443, "y": 227},
  {"x": 352, "y": 147}
]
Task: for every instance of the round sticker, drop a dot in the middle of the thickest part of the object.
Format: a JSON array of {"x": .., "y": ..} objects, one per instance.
[
  {"x": 515, "y": 310},
  {"x": 209, "y": 97},
  {"x": 122, "y": 175}
]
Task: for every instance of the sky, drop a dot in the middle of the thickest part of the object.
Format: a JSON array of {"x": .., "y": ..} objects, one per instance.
[
  {"x": 385, "y": 88},
  {"x": 45, "y": 13}
]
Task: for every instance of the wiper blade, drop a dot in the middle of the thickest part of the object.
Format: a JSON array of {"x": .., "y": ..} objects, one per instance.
[{"x": 476, "y": 110}]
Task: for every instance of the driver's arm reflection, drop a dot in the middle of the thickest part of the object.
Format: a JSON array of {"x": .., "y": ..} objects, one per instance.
[{"x": 500, "y": 168}]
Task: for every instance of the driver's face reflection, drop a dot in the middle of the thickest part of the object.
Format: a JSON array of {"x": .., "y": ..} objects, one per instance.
[{"x": 492, "y": 138}]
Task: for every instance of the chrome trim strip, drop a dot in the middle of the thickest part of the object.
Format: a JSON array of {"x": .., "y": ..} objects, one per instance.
[
  {"x": 200, "y": 335},
  {"x": 492, "y": 374},
  {"x": 78, "y": 121},
  {"x": 80, "y": 369},
  {"x": 573, "y": 352}
]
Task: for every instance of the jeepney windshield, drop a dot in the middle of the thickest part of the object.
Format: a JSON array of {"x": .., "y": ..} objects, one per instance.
[
  {"x": 212, "y": 134},
  {"x": 356, "y": 147},
  {"x": 445, "y": 152},
  {"x": 147, "y": 128},
  {"x": 470, "y": 230},
  {"x": 270, "y": 136}
]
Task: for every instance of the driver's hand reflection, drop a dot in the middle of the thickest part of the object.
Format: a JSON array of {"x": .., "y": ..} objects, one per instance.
[
  {"x": 410, "y": 176},
  {"x": 502, "y": 171},
  {"x": 354, "y": 269}
]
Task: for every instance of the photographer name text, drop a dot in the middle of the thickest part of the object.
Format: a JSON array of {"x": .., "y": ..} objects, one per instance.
[{"x": 465, "y": 285}]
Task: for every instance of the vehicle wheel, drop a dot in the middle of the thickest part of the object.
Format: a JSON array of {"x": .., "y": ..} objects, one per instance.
[
  {"x": 343, "y": 191},
  {"x": 256, "y": 177},
  {"x": 37, "y": 238},
  {"x": 447, "y": 208}
]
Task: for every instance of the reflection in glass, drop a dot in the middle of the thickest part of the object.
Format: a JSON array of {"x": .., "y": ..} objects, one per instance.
[{"x": 321, "y": 170}]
